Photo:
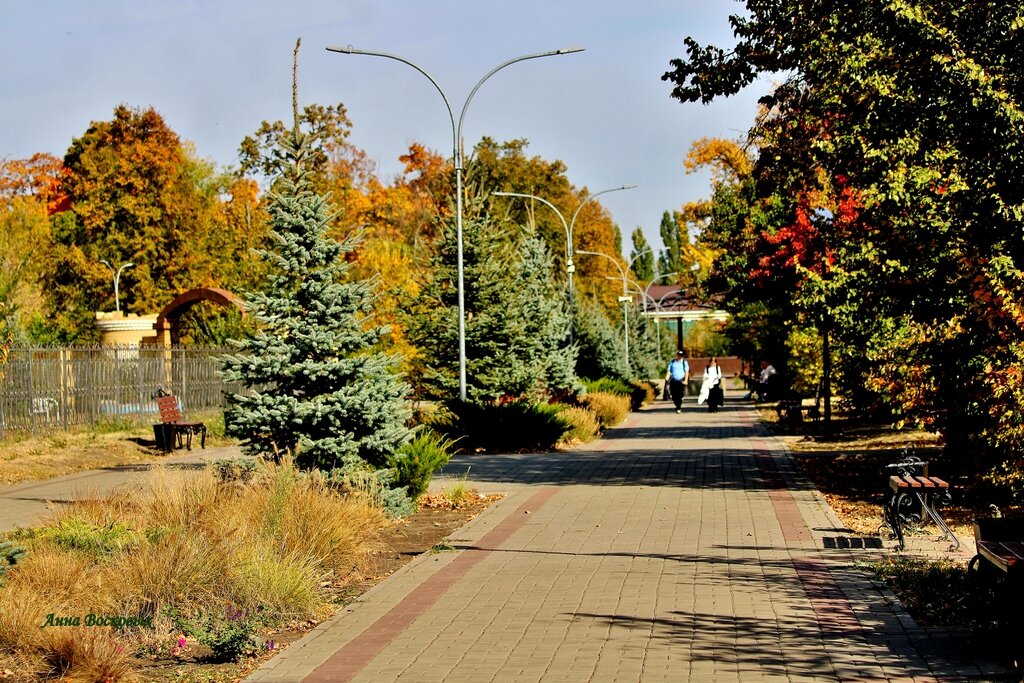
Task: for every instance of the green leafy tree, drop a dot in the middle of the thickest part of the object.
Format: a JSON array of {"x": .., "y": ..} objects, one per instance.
[
  {"x": 316, "y": 390},
  {"x": 914, "y": 106}
]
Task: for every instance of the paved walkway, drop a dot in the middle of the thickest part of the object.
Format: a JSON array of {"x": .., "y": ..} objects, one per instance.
[
  {"x": 24, "y": 504},
  {"x": 678, "y": 548}
]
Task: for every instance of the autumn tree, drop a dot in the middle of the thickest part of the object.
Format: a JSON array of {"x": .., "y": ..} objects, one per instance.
[
  {"x": 507, "y": 167},
  {"x": 916, "y": 107},
  {"x": 135, "y": 193},
  {"x": 29, "y": 192}
]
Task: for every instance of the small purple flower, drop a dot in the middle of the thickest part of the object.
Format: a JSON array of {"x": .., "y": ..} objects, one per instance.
[{"x": 182, "y": 642}]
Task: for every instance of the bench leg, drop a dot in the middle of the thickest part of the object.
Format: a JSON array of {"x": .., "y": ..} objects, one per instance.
[
  {"x": 947, "y": 533},
  {"x": 891, "y": 517}
]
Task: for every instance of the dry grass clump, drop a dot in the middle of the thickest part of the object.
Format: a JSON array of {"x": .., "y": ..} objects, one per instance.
[
  {"x": 583, "y": 425},
  {"x": 186, "y": 546},
  {"x": 610, "y": 409}
]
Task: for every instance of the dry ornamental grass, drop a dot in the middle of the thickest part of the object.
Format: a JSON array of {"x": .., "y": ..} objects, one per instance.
[{"x": 185, "y": 551}]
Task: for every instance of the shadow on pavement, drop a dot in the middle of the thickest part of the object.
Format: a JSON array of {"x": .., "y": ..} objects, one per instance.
[
  {"x": 778, "y": 646},
  {"x": 719, "y": 468}
]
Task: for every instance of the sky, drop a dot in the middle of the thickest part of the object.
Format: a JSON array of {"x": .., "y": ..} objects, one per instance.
[{"x": 215, "y": 69}]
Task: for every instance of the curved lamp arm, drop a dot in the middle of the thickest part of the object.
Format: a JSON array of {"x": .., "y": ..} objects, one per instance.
[{"x": 565, "y": 226}]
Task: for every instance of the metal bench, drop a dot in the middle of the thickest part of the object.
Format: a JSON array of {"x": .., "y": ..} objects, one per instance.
[
  {"x": 911, "y": 490},
  {"x": 173, "y": 427}
]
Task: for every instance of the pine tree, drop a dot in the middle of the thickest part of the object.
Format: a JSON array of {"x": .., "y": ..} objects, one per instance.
[
  {"x": 645, "y": 360},
  {"x": 600, "y": 345},
  {"x": 318, "y": 390},
  {"x": 516, "y": 323}
]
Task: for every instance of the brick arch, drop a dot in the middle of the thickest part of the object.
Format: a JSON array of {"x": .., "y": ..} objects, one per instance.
[{"x": 186, "y": 300}]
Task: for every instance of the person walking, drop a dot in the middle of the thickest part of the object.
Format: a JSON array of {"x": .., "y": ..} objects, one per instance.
[
  {"x": 677, "y": 376},
  {"x": 711, "y": 390}
]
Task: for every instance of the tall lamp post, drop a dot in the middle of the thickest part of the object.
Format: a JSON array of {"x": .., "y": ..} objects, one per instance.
[
  {"x": 625, "y": 298},
  {"x": 570, "y": 267},
  {"x": 458, "y": 159},
  {"x": 117, "y": 280}
]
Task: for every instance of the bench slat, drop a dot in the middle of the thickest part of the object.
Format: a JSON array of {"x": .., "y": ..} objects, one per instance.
[
  {"x": 897, "y": 482},
  {"x": 911, "y": 482},
  {"x": 1005, "y": 555},
  {"x": 926, "y": 482}
]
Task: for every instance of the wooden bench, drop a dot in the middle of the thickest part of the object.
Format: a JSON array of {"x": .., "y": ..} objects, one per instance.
[
  {"x": 911, "y": 490},
  {"x": 174, "y": 425},
  {"x": 999, "y": 568},
  {"x": 1000, "y": 542}
]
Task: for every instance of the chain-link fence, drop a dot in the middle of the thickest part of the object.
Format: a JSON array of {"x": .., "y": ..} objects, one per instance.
[{"x": 48, "y": 388}]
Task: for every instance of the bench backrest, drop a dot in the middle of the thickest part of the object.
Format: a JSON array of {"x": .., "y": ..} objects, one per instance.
[
  {"x": 169, "y": 410},
  {"x": 999, "y": 529}
]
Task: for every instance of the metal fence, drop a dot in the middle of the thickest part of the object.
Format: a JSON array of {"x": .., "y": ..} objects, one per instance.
[{"x": 66, "y": 387}]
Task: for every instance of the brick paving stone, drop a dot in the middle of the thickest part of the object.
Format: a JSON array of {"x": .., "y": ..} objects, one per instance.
[{"x": 677, "y": 548}]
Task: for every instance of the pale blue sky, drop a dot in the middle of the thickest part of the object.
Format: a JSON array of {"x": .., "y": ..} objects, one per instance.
[{"x": 216, "y": 68}]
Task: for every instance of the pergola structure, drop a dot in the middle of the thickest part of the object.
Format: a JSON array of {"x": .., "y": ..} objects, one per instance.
[{"x": 668, "y": 302}]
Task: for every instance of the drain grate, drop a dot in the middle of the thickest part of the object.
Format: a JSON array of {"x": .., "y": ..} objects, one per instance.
[{"x": 852, "y": 542}]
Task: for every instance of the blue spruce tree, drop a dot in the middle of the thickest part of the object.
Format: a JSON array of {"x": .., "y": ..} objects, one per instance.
[{"x": 316, "y": 389}]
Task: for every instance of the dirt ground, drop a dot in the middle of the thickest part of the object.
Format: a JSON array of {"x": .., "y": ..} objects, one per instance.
[{"x": 423, "y": 532}]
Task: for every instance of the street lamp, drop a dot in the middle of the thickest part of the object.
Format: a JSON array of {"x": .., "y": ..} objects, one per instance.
[
  {"x": 570, "y": 267},
  {"x": 117, "y": 279},
  {"x": 625, "y": 298},
  {"x": 458, "y": 158}
]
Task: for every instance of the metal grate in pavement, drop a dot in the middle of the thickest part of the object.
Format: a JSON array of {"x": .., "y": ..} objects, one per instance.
[{"x": 851, "y": 542}]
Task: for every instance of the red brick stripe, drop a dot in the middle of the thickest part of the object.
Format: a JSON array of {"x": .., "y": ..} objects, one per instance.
[
  {"x": 353, "y": 657},
  {"x": 830, "y": 605},
  {"x": 794, "y": 528}
]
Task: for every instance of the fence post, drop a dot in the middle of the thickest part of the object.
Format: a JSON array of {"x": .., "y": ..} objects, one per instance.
[
  {"x": 65, "y": 373},
  {"x": 31, "y": 393}
]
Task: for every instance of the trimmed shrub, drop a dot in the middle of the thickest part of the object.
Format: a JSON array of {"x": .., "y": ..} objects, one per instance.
[
  {"x": 609, "y": 409},
  {"x": 583, "y": 425},
  {"x": 416, "y": 461},
  {"x": 518, "y": 426},
  {"x": 608, "y": 385},
  {"x": 641, "y": 393}
]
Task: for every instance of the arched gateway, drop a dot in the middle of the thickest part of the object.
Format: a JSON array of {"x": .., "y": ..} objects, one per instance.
[{"x": 168, "y": 317}]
